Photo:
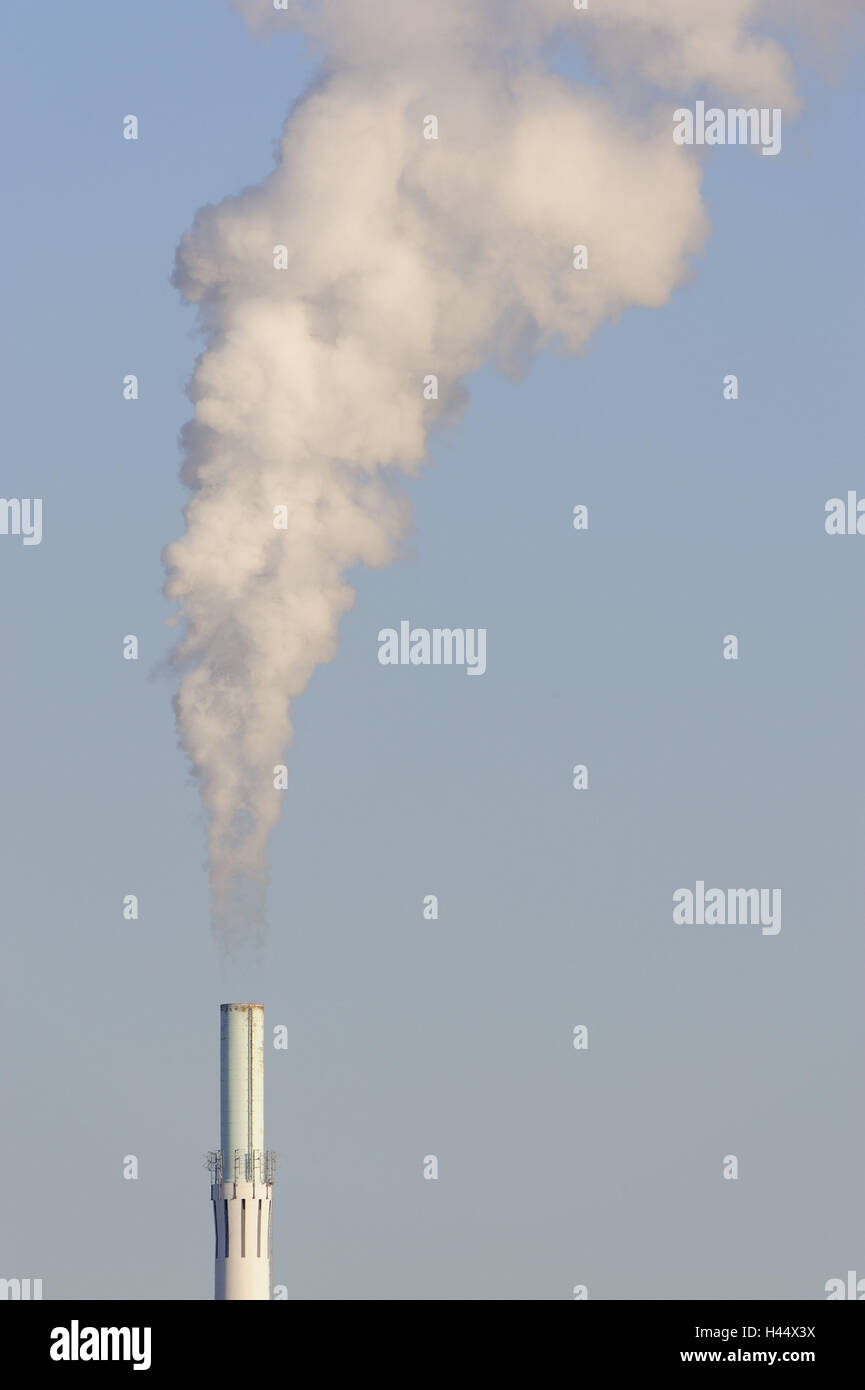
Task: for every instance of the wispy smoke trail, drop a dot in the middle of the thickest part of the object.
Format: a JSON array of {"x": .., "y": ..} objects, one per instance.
[{"x": 406, "y": 257}]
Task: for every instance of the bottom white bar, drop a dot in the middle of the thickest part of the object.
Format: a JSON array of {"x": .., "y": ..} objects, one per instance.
[{"x": 242, "y": 1216}]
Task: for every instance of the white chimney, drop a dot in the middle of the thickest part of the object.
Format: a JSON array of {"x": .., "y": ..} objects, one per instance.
[{"x": 241, "y": 1171}]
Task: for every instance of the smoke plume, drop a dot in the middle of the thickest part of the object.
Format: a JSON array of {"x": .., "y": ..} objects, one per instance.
[{"x": 405, "y": 257}]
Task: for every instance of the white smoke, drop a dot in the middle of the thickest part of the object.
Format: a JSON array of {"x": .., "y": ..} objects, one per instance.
[{"x": 406, "y": 257}]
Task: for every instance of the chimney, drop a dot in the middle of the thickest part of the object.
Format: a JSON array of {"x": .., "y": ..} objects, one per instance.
[{"x": 241, "y": 1171}]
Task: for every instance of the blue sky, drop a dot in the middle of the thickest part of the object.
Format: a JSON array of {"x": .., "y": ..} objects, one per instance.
[{"x": 408, "y": 1037}]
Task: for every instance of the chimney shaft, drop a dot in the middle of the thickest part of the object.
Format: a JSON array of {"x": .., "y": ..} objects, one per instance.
[
  {"x": 241, "y": 1171},
  {"x": 241, "y": 1091}
]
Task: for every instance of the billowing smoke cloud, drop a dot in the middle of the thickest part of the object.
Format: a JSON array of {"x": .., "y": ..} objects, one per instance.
[{"x": 405, "y": 257}]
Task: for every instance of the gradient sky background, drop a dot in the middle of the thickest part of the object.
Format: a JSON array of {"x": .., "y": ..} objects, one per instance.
[{"x": 454, "y": 1038}]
